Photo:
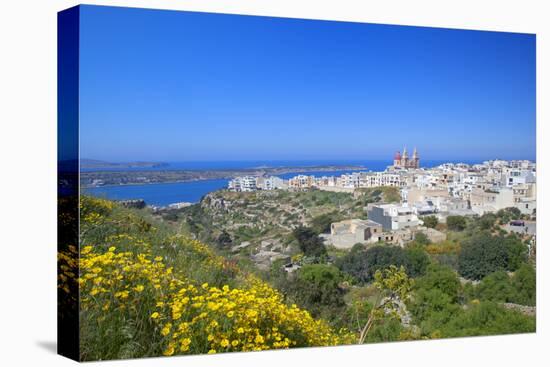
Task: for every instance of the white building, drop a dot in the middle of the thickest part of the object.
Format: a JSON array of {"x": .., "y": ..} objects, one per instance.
[{"x": 393, "y": 216}]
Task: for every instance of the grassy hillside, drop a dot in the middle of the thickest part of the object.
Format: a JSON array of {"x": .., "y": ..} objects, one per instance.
[
  {"x": 260, "y": 215},
  {"x": 146, "y": 291}
]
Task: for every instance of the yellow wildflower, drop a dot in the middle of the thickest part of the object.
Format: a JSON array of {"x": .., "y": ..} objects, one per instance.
[
  {"x": 139, "y": 288},
  {"x": 169, "y": 351}
]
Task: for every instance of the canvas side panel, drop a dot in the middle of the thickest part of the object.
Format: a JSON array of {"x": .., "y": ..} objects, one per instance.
[{"x": 67, "y": 188}]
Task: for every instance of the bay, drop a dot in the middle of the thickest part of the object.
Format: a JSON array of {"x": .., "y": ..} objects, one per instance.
[{"x": 168, "y": 193}]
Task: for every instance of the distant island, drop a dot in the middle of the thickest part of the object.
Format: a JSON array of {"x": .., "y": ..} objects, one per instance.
[
  {"x": 97, "y": 164},
  {"x": 110, "y": 177}
]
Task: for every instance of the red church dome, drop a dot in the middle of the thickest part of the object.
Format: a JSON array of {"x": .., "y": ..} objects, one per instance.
[{"x": 397, "y": 156}]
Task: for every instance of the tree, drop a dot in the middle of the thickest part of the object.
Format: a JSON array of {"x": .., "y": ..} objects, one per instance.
[
  {"x": 435, "y": 298},
  {"x": 316, "y": 287},
  {"x": 416, "y": 261},
  {"x": 310, "y": 243},
  {"x": 508, "y": 214},
  {"x": 363, "y": 263},
  {"x": 321, "y": 223},
  {"x": 224, "y": 240},
  {"x": 482, "y": 254},
  {"x": 442, "y": 278},
  {"x": 516, "y": 251},
  {"x": 486, "y": 221},
  {"x": 495, "y": 287},
  {"x": 394, "y": 287},
  {"x": 421, "y": 238},
  {"x": 524, "y": 285},
  {"x": 456, "y": 223},
  {"x": 430, "y": 221}
]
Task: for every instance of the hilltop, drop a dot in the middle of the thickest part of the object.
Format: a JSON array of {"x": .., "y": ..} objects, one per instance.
[{"x": 263, "y": 220}]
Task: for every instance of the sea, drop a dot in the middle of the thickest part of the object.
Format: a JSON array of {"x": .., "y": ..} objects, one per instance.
[{"x": 163, "y": 194}]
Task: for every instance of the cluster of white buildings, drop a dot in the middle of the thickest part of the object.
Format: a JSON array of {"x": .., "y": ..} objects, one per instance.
[
  {"x": 448, "y": 189},
  {"x": 252, "y": 183},
  {"x": 479, "y": 188}
]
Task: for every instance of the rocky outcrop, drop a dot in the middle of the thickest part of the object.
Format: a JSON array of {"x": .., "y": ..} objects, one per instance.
[
  {"x": 134, "y": 204},
  {"x": 526, "y": 310}
]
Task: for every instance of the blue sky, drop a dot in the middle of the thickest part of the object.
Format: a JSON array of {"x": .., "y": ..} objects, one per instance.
[{"x": 177, "y": 86}]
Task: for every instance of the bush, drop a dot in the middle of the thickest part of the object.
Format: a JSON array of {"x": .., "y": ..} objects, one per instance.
[
  {"x": 316, "y": 287},
  {"x": 363, "y": 263},
  {"x": 483, "y": 254},
  {"x": 508, "y": 214},
  {"x": 430, "y": 221},
  {"x": 224, "y": 240},
  {"x": 495, "y": 287},
  {"x": 524, "y": 285},
  {"x": 321, "y": 223},
  {"x": 456, "y": 223},
  {"x": 309, "y": 242},
  {"x": 442, "y": 278},
  {"x": 486, "y": 222},
  {"x": 487, "y": 318},
  {"x": 421, "y": 238}
]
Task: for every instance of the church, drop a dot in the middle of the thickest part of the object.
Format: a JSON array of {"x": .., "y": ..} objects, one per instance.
[{"x": 402, "y": 160}]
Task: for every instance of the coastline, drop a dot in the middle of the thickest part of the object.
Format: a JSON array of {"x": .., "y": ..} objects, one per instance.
[{"x": 272, "y": 171}]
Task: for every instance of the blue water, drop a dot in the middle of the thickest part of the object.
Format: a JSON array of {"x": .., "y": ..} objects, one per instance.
[
  {"x": 160, "y": 194},
  {"x": 168, "y": 193}
]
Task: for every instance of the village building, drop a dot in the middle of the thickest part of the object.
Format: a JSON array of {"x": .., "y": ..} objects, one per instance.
[
  {"x": 347, "y": 233},
  {"x": 393, "y": 216}
]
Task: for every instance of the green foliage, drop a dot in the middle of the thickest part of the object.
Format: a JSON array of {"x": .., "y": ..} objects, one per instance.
[
  {"x": 224, "y": 240},
  {"x": 486, "y": 222},
  {"x": 421, "y": 238},
  {"x": 309, "y": 242},
  {"x": 483, "y": 254},
  {"x": 520, "y": 288},
  {"x": 363, "y": 263},
  {"x": 456, "y": 223},
  {"x": 487, "y": 318},
  {"x": 317, "y": 288},
  {"x": 417, "y": 261},
  {"x": 430, "y": 221},
  {"x": 507, "y": 214},
  {"x": 436, "y": 306},
  {"x": 496, "y": 287},
  {"x": 393, "y": 282},
  {"x": 394, "y": 286},
  {"x": 524, "y": 284},
  {"x": 385, "y": 330},
  {"x": 321, "y": 223},
  {"x": 441, "y": 278},
  {"x": 391, "y": 194},
  {"x": 435, "y": 298}
]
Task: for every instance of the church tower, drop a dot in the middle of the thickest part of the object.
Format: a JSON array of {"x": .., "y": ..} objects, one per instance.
[
  {"x": 415, "y": 159},
  {"x": 397, "y": 159},
  {"x": 405, "y": 158}
]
